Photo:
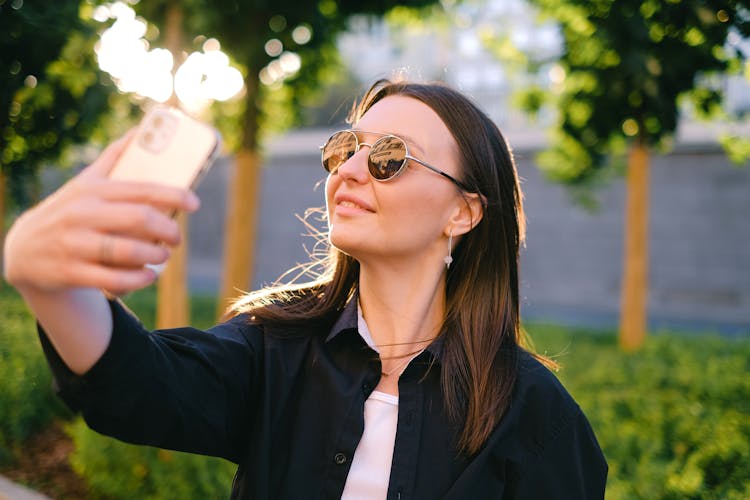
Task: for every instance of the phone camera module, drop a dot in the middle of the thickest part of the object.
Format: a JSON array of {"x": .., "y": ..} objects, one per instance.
[{"x": 158, "y": 131}]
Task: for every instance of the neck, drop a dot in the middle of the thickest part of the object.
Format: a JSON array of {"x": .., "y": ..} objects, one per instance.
[{"x": 404, "y": 307}]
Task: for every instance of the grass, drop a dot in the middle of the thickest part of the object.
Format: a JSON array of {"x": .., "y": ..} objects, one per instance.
[{"x": 27, "y": 401}]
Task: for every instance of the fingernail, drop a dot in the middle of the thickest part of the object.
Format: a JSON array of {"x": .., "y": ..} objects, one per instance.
[
  {"x": 193, "y": 201},
  {"x": 154, "y": 270},
  {"x": 164, "y": 255}
]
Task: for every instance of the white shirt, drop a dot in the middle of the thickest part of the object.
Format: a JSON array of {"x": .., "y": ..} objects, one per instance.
[{"x": 370, "y": 471}]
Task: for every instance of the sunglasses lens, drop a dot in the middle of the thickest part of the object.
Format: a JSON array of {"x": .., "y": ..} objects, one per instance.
[
  {"x": 386, "y": 157},
  {"x": 340, "y": 147}
]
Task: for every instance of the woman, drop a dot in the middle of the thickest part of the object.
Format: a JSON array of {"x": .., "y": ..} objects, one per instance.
[{"x": 396, "y": 374}]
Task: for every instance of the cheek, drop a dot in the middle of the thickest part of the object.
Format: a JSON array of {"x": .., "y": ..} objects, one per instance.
[
  {"x": 419, "y": 214},
  {"x": 331, "y": 185}
]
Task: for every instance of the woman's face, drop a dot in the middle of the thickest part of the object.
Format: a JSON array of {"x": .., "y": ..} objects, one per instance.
[{"x": 407, "y": 217}]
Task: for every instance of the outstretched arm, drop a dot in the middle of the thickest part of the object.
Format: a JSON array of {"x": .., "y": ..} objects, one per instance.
[{"x": 92, "y": 234}]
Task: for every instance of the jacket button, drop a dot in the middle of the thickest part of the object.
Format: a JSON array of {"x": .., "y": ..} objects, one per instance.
[
  {"x": 339, "y": 458},
  {"x": 366, "y": 388}
]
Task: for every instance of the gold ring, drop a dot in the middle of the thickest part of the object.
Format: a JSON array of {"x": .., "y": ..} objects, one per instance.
[{"x": 107, "y": 250}]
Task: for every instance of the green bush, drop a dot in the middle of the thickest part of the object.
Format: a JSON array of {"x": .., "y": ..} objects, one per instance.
[
  {"x": 124, "y": 471},
  {"x": 673, "y": 419},
  {"x": 27, "y": 401}
]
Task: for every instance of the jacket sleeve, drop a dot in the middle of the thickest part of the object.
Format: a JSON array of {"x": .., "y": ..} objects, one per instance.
[
  {"x": 182, "y": 389},
  {"x": 571, "y": 467}
]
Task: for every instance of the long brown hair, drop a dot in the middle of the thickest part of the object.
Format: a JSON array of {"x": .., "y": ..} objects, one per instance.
[{"x": 481, "y": 329}]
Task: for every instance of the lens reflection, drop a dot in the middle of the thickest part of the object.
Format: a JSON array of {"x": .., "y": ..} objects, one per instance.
[
  {"x": 339, "y": 148},
  {"x": 386, "y": 157}
]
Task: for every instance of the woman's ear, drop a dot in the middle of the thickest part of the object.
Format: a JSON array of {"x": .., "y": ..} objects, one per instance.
[{"x": 467, "y": 215}]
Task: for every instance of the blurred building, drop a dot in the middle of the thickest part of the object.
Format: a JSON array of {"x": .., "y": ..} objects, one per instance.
[{"x": 458, "y": 54}]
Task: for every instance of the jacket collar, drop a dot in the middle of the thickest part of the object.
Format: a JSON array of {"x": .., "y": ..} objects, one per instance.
[{"x": 347, "y": 322}]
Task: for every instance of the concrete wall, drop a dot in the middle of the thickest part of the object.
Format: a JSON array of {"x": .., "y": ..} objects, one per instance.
[
  {"x": 699, "y": 237},
  {"x": 571, "y": 266}
]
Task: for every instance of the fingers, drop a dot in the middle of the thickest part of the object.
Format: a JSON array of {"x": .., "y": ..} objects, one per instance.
[
  {"x": 82, "y": 259},
  {"x": 114, "y": 251},
  {"x": 128, "y": 219},
  {"x": 107, "y": 159},
  {"x": 165, "y": 197},
  {"x": 161, "y": 196},
  {"x": 108, "y": 262},
  {"x": 94, "y": 180},
  {"x": 96, "y": 232},
  {"x": 116, "y": 280}
]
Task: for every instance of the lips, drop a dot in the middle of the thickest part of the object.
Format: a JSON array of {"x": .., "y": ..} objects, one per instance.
[{"x": 352, "y": 202}]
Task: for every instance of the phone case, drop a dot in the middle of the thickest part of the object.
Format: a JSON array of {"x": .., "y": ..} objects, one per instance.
[{"x": 169, "y": 147}]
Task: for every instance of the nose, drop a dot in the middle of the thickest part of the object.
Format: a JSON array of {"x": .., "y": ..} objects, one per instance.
[{"x": 355, "y": 168}]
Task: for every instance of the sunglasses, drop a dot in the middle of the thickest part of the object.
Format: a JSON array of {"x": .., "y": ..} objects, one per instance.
[{"x": 386, "y": 160}]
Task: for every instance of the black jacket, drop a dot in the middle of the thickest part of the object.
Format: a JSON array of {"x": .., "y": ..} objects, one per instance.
[{"x": 287, "y": 407}]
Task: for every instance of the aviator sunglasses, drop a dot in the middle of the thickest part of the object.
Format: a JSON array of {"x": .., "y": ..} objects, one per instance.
[{"x": 386, "y": 160}]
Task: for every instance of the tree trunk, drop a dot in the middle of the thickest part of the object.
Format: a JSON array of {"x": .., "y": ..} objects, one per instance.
[
  {"x": 242, "y": 202},
  {"x": 172, "y": 305},
  {"x": 240, "y": 228},
  {"x": 635, "y": 269}
]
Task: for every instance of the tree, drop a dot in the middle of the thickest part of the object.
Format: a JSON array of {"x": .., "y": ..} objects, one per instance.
[
  {"x": 307, "y": 29},
  {"x": 173, "y": 304},
  {"x": 629, "y": 65},
  {"x": 51, "y": 97}
]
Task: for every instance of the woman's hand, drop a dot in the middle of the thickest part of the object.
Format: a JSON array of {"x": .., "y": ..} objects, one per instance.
[{"x": 95, "y": 233}]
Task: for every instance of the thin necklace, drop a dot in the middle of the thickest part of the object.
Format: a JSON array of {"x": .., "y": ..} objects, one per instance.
[
  {"x": 401, "y": 366},
  {"x": 407, "y": 343},
  {"x": 402, "y": 356}
]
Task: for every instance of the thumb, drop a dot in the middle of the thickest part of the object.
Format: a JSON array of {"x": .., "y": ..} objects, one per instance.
[{"x": 106, "y": 160}]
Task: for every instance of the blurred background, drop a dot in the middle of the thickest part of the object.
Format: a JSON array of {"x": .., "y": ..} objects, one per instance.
[{"x": 629, "y": 124}]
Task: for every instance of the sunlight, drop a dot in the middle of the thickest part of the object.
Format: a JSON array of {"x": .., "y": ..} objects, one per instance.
[{"x": 124, "y": 54}]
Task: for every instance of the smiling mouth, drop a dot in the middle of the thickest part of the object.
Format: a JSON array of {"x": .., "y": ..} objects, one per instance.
[{"x": 351, "y": 204}]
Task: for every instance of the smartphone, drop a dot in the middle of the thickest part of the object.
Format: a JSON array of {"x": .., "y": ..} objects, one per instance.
[{"x": 169, "y": 147}]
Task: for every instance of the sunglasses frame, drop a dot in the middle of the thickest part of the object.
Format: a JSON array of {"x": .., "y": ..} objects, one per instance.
[{"x": 407, "y": 157}]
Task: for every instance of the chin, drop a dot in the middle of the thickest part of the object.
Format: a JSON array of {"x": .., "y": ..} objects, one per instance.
[
  {"x": 346, "y": 243},
  {"x": 339, "y": 241}
]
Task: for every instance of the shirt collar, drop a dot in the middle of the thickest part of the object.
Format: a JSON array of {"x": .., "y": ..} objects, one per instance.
[
  {"x": 364, "y": 332},
  {"x": 350, "y": 320},
  {"x": 347, "y": 320}
]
